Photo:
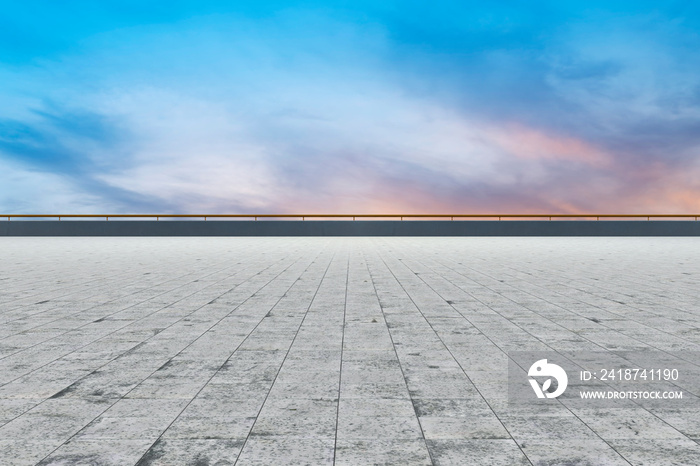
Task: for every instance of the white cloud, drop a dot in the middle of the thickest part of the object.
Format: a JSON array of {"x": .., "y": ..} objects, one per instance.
[
  {"x": 25, "y": 190},
  {"x": 225, "y": 117}
]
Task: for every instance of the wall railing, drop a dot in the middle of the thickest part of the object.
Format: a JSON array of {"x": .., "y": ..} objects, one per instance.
[{"x": 303, "y": 217}]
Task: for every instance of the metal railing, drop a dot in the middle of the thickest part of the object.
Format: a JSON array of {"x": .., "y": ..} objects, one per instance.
[{"x": 303, "y": 217}]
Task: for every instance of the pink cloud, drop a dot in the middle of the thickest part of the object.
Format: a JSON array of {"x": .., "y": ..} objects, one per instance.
[{"x": 532, "y": 144}]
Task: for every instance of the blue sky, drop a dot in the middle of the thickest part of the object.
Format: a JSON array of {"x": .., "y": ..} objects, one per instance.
[{"x": 349, "y": 107}]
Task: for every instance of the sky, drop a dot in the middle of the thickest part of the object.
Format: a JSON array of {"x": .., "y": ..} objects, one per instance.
[{"x": 438, "y": 107}]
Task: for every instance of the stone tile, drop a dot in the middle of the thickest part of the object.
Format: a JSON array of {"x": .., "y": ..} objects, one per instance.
[
  {"x": 686, "y": 421},
  {"x": 458, "y": 452},
  {"x": 451, "y": 407},
  {"x": 389, "y": 407},
  {"x": 312, "y": 378},
  {"x": 586, "y": 452},
  {"x": 133, "y": 427},
  {"x": 235, "y": 391},
  {"x": 103, "y": 452},
  {"x": 156, "y": 408},
  {"x": 371, "y": 427},
  {"x": 648, "y": 452},
  {"x": 26, "y": 450},
  {"x": 264, "y": 451},
  {"x": 214, "y": 426},
  {"x": 167, "y": 388},
  {"x": 628, "y": 423},
  {"x": 222, "y": 406},
  {"x": 44, "y": 427},
  {"x": 297, "y": 417},
  {"x": 325, "y": 388},
  {"x": 374, "y": 390},
  {"x": 410, "y": 452},
  {"x": 524, "y": 428},
  {"x": 13, "y": 407},
  {"x": 483, "y": 425},
  {"x": 167, "y": 452}
]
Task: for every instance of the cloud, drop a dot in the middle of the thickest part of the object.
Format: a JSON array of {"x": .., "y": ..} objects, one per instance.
[
  {"x": 331, "y": 111},
  {"x": 57, "y": 157},
  {"x": 28, "y": 191}
]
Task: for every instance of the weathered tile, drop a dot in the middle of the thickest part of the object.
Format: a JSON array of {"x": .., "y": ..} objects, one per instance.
[
  {"x": 373, "y": 427},
  {"x": 264, "y": 451},
  {"x": 484, "y": 425},
  {"x": 103, "y": 452},
  {"x": 409, "y": 452},
  {"x": 588, "y": 452},
  {"x": 220, "y": 452},
  {"x": 458, "y": 452},
  {"x": 651, "y": 452},
  {"x": 213, "y": 426}
]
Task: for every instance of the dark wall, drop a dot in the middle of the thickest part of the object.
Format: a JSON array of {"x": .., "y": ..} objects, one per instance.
[{"x": 350, "y": 228}]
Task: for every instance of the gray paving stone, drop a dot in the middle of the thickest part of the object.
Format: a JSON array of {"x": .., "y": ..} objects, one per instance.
[
  {"x": 686, "y": 421},
  {"x": 247, "y": 407},
  {"x": 658, "y": 452},
  {"x": 168, "y": 351},
  {"x": 352, "y": 427},
  {"x": 411, "y": 452},
  {"x": 215, "y": 425},
  {"x": 105, "y": 452},
  {"x": 293, "y": 451},
  {"x": 479, "y": 425},
  {"x": 478, "y": 452},
  {"x": 588, "y": 452},
  {"x": 297, "y": 418},
  {"x": 168, "y": 452},
  {"x": 629, "y": 423},
  {"x": 376, "y": 407},
  {"x": 26, "y": 450}
]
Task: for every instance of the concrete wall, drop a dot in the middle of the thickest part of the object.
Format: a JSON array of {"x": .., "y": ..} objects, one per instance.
[{"x": 350, "y": 228}]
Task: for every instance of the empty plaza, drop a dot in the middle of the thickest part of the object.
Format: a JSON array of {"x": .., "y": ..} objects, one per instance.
[{"x": 347, "y": 351}]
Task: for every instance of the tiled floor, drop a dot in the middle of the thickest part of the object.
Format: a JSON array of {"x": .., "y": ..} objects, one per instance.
[{"x": 352, "y": 351}]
